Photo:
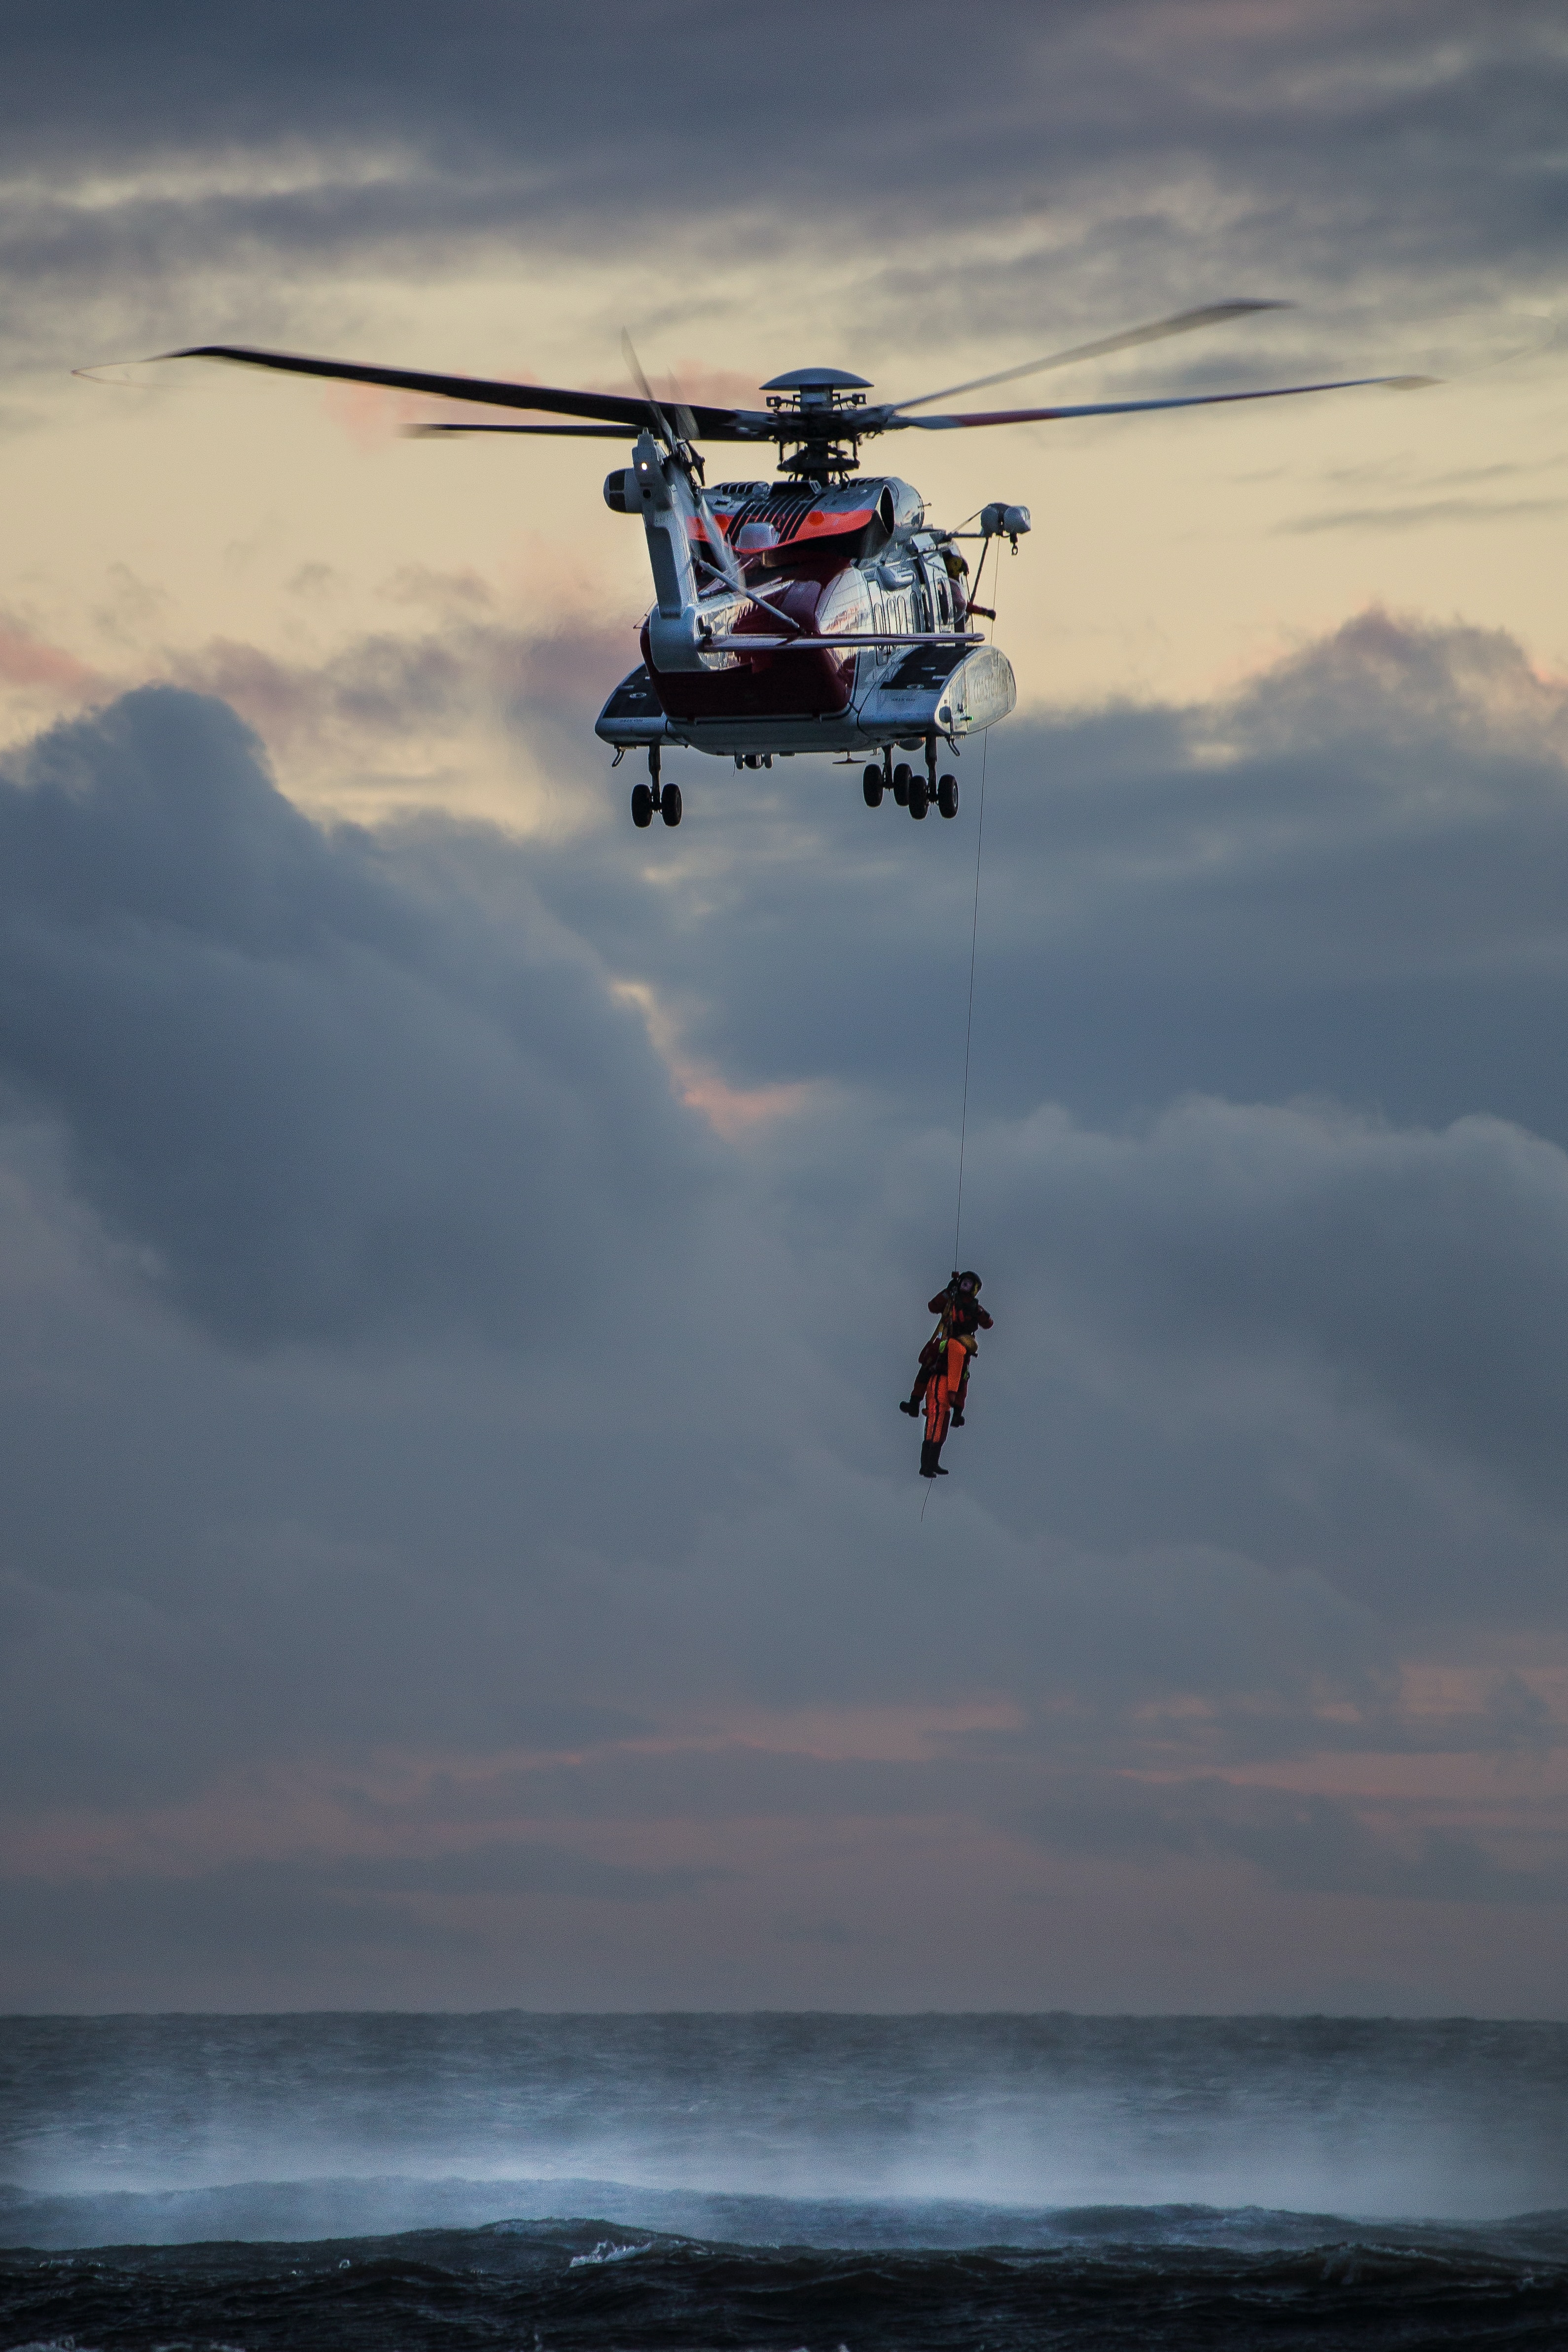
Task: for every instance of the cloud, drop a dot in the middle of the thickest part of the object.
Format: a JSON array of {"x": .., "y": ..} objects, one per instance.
[
  {"x": 1392, "y": 160},
  {"x": 417, "y": 684},
  {"x": 1418, "y": 514},
  {"x": 1307, "y": 1844},
  {"x": 1428, "y": 1272},
  {"x": 455, "y": 1283},
  {"x": 312, "y": 1916},
  {"x": 1344, "y": 880},
  {"x": 444, "y": 1471},
  {"x": 313, "y": 1105}
]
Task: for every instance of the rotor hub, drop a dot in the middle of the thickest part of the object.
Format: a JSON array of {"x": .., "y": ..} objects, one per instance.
[{"x": 813, "y": 410}]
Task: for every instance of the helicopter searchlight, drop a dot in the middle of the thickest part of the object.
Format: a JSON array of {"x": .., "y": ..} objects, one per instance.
[{"x": 819, "y": 612}]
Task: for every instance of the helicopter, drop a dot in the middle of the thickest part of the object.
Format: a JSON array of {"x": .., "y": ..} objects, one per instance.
[{"x": 817, "y": 613}]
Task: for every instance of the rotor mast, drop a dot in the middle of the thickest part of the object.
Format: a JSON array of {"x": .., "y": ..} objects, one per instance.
[{"x": 818, "y": 422}]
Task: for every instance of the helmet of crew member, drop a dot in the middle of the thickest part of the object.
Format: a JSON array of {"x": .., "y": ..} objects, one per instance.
[{"x": 969, "y": 1281}]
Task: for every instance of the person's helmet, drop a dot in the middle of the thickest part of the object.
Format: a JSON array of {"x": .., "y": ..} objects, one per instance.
[{"x": 970, "y": 1281}]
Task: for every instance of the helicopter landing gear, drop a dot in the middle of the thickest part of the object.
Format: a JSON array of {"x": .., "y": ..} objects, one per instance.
[
  {"x": 871, "y": 785},
  {"x": 947, "y": 795},
  {"x": 901, "y": 781},
  {"x": 648, "y": 799},
  {"x": 920, "y": 798}
]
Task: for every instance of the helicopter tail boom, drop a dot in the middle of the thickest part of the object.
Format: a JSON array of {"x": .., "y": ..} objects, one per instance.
[
  {"x": 659, "y": 488},
  {"x": 671, "y": 521}
]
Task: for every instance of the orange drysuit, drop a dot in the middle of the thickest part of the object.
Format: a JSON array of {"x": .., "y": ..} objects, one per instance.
[{"x": 942, "y": 1379}]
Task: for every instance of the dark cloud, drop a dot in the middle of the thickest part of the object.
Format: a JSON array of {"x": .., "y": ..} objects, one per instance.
[
  {"x": 1428, "y": 1273},
  {"x": 499, "y": 1867},
  {"x": 395, "y": 1369},
  {"x": 457, "y": 658},
  {"x": 1332, "y": 906},
  {"x": 312, "y": 1105},
  {"x": 1343, "y": 889},
  {"x": 1307, "y": 1844},
  {"x": 171, "y": 178},
  {"x": 1345, "y": 882},
  {"x": 299, "y": 1915}
]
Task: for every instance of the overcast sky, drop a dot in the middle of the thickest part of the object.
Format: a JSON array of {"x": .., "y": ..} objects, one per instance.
[{"x": 459, "y": 1256}]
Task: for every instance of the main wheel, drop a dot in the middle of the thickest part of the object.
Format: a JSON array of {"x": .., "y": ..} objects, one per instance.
[
  {"x": 669, "y": 804},
  {"x": 919, "y": 799},
  {"x": 642, "y": 805},
  {"x": 901, "y": 785},
  {"x": 947, "y": 795},
  {"x": 871, "y": 785}
]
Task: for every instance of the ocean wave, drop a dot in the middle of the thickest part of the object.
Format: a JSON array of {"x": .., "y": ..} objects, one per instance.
[
  {"x": 1111, "y": 2279},
  {"x": 403, "y": 2205}
]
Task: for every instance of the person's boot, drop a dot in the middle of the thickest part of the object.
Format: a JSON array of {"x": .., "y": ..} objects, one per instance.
[{"x": 931, "y": 1465}]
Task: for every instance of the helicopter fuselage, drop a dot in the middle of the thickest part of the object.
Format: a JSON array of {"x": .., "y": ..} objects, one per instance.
[{"x": 851, "y": 630}]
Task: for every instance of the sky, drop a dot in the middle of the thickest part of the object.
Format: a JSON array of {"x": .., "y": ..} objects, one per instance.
[{"x": 459, "y": 1256}]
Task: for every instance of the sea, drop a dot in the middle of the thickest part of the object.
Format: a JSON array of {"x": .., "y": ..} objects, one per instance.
[{"x": 545, "y": 2183}]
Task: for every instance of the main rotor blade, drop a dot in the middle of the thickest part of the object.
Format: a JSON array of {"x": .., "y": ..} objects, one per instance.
[
  {"x": 608, "y": 407},
  {"x": 561, "y": 432},
  {"x": 724, "y": 564},
  {"x": 661, "y": 421},
  {"x": 1135, "y": 407},
  {"x": 685, "y": 418},
  {"x": 577, "y": 432},
  {"x": 1183, "y": 322},
  {"x": 835, "y": 644}
]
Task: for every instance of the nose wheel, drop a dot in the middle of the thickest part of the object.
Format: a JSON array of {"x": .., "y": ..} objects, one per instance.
[{"x": 651, "y": 799}]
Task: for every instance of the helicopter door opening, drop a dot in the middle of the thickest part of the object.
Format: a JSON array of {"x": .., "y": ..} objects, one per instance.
[{"x": 921, "y": 600}]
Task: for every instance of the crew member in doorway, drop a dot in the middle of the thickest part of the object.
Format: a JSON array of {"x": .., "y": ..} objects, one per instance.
[{"x": 942, "y": 1379}]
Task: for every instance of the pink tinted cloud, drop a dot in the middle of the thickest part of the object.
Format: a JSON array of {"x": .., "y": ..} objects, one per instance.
[
  {"x": 734, "y": 1113},
  {"x": 26, "y": 660}
]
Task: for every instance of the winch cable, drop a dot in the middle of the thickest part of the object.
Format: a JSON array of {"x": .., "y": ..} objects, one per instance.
[
  {"x": 969, "y": 1021},
  {"x": 974, "y": 943},
  {"x": 968, "y": 1018}
]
